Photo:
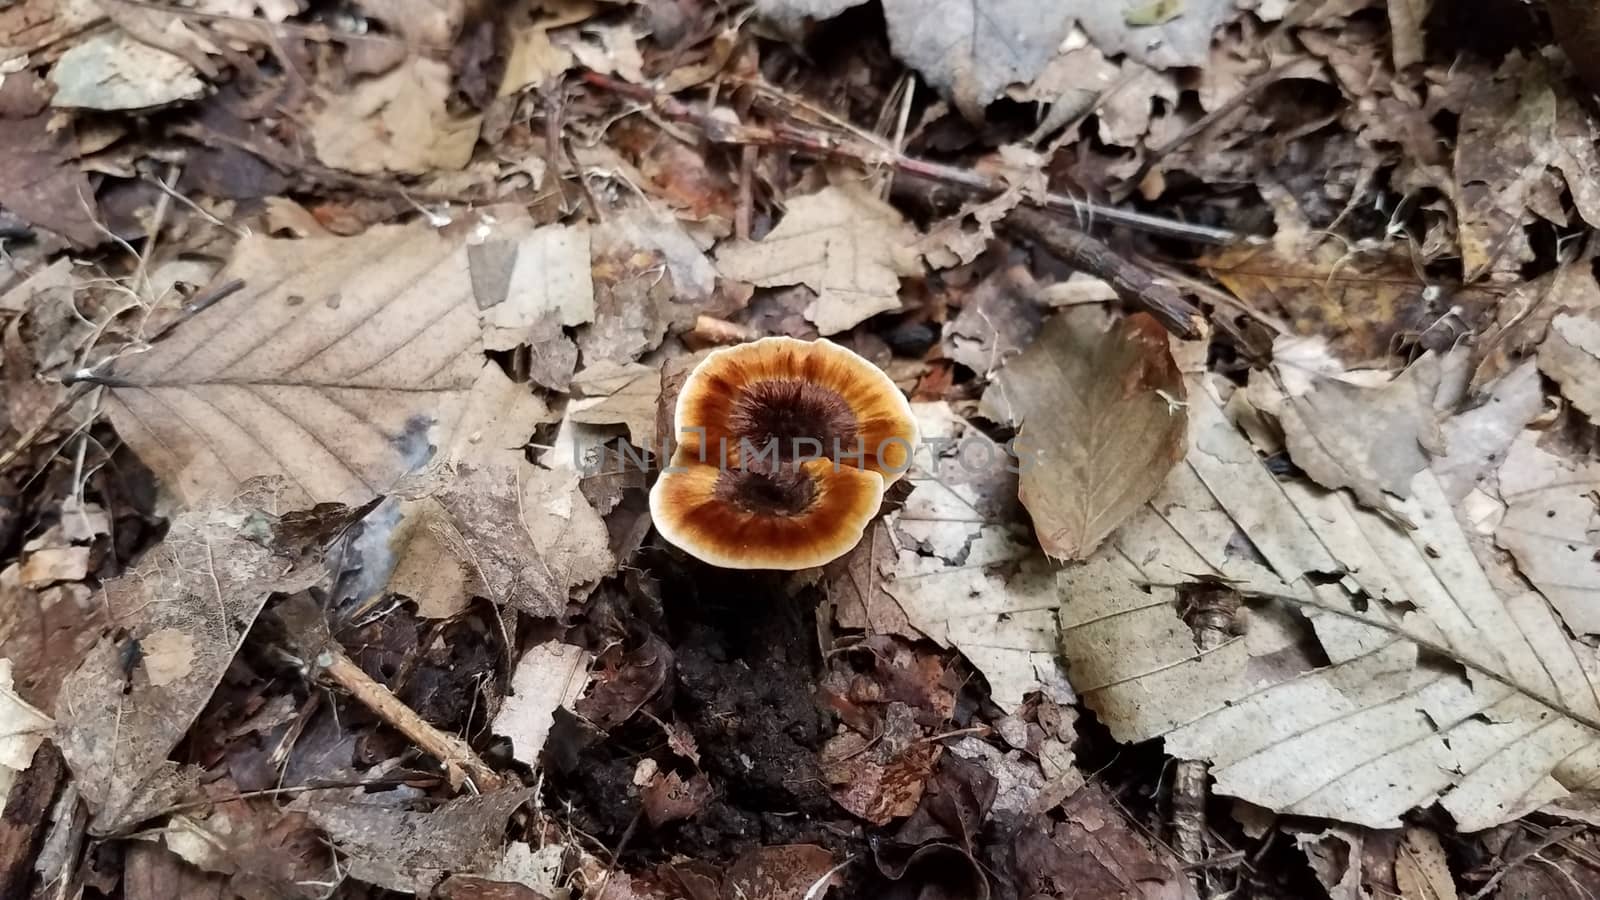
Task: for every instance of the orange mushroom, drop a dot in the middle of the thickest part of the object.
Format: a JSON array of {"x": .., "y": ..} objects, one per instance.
[{"x": 784, "y": 450}]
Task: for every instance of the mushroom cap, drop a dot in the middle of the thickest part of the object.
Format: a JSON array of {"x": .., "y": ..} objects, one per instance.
[
  {"x": 784, "y": 388},
  {"x": 785, "y": 450},
  {"x": 804, "y": 515}
]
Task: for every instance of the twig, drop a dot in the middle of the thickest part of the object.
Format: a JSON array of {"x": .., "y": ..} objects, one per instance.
[
  {"x": 857, "y": 149},
  {"x": 1133, "y": 283},
  {"x": 306, "y": 627},
  {"x": 453, "y": 752}
]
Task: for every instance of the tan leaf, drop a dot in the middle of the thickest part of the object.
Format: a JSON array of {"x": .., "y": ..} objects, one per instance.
[
  {"x": 1552, "y": 527},
  {"x": 840, "y": 242},
  {"x": 525, "y": 536},
  {"x": 201, "y": 587},
  {"x": 548, "y": 676},
  {"x": 520, "y": 282},
  {"x": 533, "y": 58},
  {"x": 399, "y": 121},
  {"x": 1421, "y": 869},
  {"x": 22, "y": 729},
  {"x": 168, "y": 654},
  {"x": 1570, "y": 354},
  {"x": 1100, "y": 421},
  {"x": 1363, "y": 727},
  {"x": 1369, "y": 439},
  {"x": 996, "y": 607},
  {"x": 337, "y": 367},
  {"x": 1503, "y": 151},
  {"x": 627, "y": 395}
]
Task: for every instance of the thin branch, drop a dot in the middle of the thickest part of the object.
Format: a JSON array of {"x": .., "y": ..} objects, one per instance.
[{"x": 854, "y": 148}]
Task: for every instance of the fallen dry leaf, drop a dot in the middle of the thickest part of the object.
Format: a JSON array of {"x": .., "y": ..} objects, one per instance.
[
  {"x": 1390, "y": 728},
  {"x": 1371, "y": 439},
  {"x": 1476, "y": 440},
  {"x": 337, "y": 367},
  {"x": 1100, "y": 420},
  {"x": 407, "y": 850},
  {"x": 525, "y": 536},
  {"x": 549, "y": 676},
  {"x": 397, "y": 122},
  {"x": 1570, "y": 354},
  {"x": 22, "y": 729},
  {"x": 670, "y": 797},
  {"x": 1365, "y": 303},
  {"x": 524, "y": 282},
  {"x": 1159, "y": 33},
  {"x": 842, "y": 243},
  {"x": 42, "y": 183},
  {"x": 1421, "y": 868},
  {"x": 1095, "y": 852},
  {"x": 882, "y": 779},
  {"x": 782, "y": 872},
  {"x": 1004, "y": 623},
  {"x": 197, "y": 594},
  {"x": 1552, "y": 527},
  {"x": 625, "y": 395},
  {"x": 973, "y": 51},
  {"x": 532, "y": 58},
  {"x": 113, "y": 71}
]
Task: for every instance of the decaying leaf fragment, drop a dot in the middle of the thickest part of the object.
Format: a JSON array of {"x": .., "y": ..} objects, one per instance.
[
  {"x": 549, "y": 675},
  {"x": 194, "y": 597},
  {"x": 525, "y": 536},
  {"x": 410, "y": 850},
  {"x": 1100, "y": 420},
  {"x": 399, "y": 121},
  {"x": 338, "y": 367},
  {"x": 1570, "y": 354},
  {"x": 842, "y": 243}
]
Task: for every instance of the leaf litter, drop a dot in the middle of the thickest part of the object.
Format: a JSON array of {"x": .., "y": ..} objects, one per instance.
[{"x": 340, "y": 343}]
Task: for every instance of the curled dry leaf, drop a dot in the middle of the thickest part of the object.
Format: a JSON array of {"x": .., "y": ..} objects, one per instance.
[
  {"x": 196, "y": 595},
  {"x": 337, "y": 367},
  {"x": 1100, "y": 420},
  {"x": 670, "y": 797}
]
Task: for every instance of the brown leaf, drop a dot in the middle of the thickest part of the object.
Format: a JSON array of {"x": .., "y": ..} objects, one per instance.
[
  {"x": 112, "y": 70},
  {"x": 881, "y": 780},
  {"x": 786, "y": 872},
  {"x": 337, "y": 367},
  {"x": 671, "y": 797},
  {"x": 625, "y": 681},
  {"x": 1095, "y": 853},
  {"x": 410, "y": 851},
  {"x": 41, "y": 182},
  {"x": 1364, "y": 303},
  {"x": 840, "y": 242},
  {"x": 197, "y": 593},
  {"x": 1099, "y": 412}
]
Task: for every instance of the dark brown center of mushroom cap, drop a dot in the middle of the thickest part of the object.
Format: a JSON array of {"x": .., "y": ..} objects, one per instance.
[
  {"x": 784, "y": 491},
  {"x": 784, "y": 414}
]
